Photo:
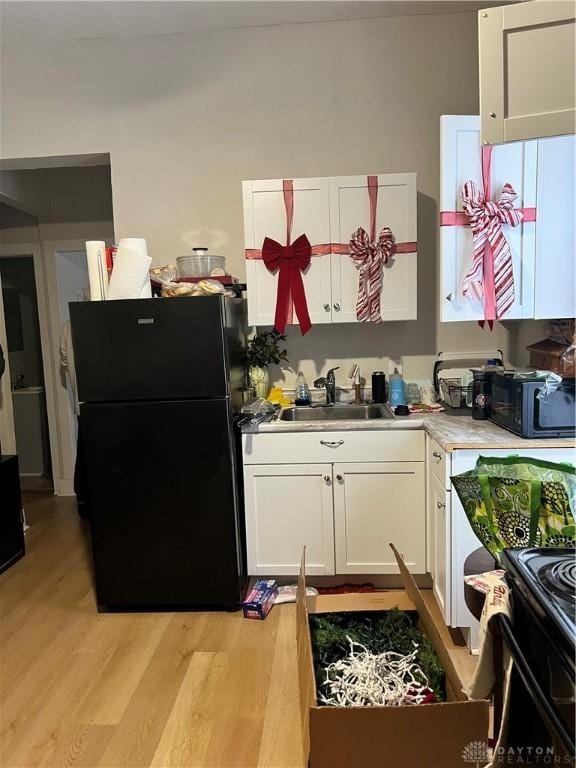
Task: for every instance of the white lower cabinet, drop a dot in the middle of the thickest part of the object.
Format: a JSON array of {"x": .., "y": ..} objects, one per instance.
[
  {"x": 451, "y": 536},
  {"x": 289, "y": 506},
  {"x": 439, "y": 501},
  {"x": 375, "y": 505},
  {"x": 346, "y": 513}
]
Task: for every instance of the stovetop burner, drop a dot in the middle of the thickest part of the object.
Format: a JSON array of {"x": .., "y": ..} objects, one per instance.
[
  {"x": 559, "y": 580},
  {"x": 550, "y": 574},
  {"x": 564, "y": 574}
]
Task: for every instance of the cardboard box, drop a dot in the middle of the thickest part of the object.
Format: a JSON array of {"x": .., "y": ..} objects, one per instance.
[
  {"x": 417, "y": 736},
  {"x": 547, "y": 355}
]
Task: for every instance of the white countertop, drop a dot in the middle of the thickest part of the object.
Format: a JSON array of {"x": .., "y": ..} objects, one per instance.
[{"x": 451, "y": 432}]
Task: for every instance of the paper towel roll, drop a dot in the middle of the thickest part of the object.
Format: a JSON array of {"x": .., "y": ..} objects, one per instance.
[
  {"x": 138, "y": 243},
  {"x": 97, "y": 272},
  {"x": 146, "y": 292},
  {"x": 130, "y": 276}
]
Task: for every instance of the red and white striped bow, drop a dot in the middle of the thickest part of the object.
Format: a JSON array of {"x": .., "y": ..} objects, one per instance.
[
  {"x": 370, "y": 258},
  {"x": 491, "y": 276}
]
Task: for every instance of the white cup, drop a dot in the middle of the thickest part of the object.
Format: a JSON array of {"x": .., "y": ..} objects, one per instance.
[{"x": 428, "y": 394}]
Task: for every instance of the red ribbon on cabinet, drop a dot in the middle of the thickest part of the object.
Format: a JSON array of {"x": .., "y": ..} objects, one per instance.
[
  {"x": 491, "y": 276},
  {"x": 290, "y": 260},
  {"x": 370, "y": 256}
]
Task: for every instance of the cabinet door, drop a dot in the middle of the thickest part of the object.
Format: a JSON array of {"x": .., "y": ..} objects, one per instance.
[
  {"x": 396, "y": 208},
  {"x": 265, "y": 216},
  {"x": 375, "y": 505},
  {"x": 440, "y": 533},
  {"x": 460, "y": 160},
  {"x": 289, "y": 506},
  {"x": 555, "y": 278},
  {"x": 527, "y": 75}
]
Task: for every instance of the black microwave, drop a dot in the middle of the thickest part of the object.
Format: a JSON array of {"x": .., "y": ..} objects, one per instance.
[{"x": 515, "y": 405}]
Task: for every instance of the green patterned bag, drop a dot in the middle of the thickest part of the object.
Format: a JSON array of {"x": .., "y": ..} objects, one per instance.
[{"x": 519, "y": 502}]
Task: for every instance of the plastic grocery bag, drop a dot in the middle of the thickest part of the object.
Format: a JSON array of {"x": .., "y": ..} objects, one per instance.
[{"x": 519, "y": 502}]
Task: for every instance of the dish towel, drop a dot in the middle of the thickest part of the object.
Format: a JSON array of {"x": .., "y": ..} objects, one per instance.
[{"x": 498, "y": 600}]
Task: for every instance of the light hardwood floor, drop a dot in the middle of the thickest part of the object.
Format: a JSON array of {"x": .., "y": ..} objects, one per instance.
[{"x": 80, "y": 688}]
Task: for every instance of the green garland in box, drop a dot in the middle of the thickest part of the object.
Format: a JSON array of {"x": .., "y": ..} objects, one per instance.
[{"x": 393, "y": 630}]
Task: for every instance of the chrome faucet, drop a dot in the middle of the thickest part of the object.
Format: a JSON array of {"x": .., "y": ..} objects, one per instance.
[{"x": 328, "y": 381}]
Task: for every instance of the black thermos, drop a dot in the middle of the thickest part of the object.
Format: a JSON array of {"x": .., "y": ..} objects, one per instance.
[
  {"x": 378, "y": 387},
  {"x": 480, "y": 395}
]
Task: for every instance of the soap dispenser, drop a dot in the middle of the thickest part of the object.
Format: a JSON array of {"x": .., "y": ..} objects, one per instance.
[
  {"x": 302, "y": 392},
  {"x": 397, "y": 389}
]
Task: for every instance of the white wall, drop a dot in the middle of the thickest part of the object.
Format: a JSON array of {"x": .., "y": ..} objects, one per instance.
[
  {"x": 22, "y": 191},
  {"x": 185, "y": 118},
  {"x": 67, "y": 195}
]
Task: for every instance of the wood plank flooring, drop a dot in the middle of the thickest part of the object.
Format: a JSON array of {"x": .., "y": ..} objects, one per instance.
[{"x": 79, "y": 688}]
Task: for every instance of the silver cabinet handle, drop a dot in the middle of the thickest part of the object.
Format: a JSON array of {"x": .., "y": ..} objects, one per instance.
[
  {"x": 436, "y": 454},
  {"x": 332, "y": 443},
  {"x": 339, "y": 478},
  {"x": 450, "y": 297},
  {"x": 337, "y": 307},
  {"x": 327, "y": 307},
  {"x": 440, "y": 505},
  {"x": 327, "y": 479}
]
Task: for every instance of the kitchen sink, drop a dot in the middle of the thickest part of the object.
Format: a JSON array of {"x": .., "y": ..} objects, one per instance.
[{"x": 336, "y": 413}]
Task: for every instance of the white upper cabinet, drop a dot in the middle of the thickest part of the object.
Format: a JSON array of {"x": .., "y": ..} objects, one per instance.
[
  {"x": 542, "y": 245},
  {"x": 527, "y": 73},
  {"x": 460, "y": 161},
  {"x": 555, "y": 275},
  {"x": 329, "y": 211},
  {"x": 395, "y": 207},
  {"x": 265, "y": 215}
]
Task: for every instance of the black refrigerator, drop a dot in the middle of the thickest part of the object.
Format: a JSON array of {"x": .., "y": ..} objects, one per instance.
[{"x": 159, "y": 384}]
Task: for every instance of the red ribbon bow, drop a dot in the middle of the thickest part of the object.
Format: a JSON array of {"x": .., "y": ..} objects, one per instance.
[
  {"x": 491, "y": 276},
  {"x": 370, "y": 257},
  {"x": 291, "y": 260}
]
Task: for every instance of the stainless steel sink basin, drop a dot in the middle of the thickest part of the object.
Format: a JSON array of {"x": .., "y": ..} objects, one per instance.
[{"x": 335, "y": 413}]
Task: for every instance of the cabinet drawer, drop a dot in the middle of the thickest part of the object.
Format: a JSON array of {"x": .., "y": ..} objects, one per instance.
[
  {"x": 322, "y": 447},
  {"x": 439, "y": 463}
]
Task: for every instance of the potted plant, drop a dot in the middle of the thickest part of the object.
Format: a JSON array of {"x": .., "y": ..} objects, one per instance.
[{"x": 262, "y": 350}]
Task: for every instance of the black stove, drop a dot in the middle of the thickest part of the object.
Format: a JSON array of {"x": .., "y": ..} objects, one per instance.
[
  {"x": 548, "y": 578},
  {"x": 542, "y": 640}
]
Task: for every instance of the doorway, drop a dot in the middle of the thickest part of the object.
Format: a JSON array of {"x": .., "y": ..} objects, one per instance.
[
  {"x": 49, "y": 208},
  {"x": 25, "y": 369}
]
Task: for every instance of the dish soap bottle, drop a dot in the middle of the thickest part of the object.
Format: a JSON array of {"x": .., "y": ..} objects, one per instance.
[
  {"x": 397, "y": 389},
  {"x": 302, "y": 393}
]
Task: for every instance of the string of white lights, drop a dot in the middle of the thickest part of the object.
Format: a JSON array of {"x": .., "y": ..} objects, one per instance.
[{"x": 364, "y": 679}]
